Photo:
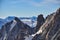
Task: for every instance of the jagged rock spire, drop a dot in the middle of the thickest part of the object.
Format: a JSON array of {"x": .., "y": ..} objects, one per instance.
[{"x": 40, "y": 21}]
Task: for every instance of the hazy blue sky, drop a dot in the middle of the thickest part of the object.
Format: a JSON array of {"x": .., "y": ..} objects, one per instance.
[{"x": 24, "y": 8}]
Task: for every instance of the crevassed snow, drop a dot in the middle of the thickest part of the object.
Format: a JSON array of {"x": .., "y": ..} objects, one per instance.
[{"x": 13, "y": 24}]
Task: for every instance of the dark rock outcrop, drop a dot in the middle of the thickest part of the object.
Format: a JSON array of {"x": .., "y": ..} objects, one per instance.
[{"x": 40, "y": 21}]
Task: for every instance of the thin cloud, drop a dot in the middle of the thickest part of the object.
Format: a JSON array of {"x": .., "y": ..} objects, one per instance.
[
  {"x": 54, "y": 1},
  {"x": 38, "y": 4},
  {"x": 45, "y": 2}
]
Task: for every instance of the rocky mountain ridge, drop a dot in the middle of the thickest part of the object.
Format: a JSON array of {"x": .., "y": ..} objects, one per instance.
[
  {"x": 46, "y": 29},
  {"x": 50, "y": 30}
]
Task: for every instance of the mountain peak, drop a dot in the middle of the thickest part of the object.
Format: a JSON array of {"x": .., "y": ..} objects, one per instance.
[{"x": 17, "y": 19}]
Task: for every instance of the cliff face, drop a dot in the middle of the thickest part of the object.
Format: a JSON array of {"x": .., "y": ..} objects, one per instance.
[{"x": 54, "y": 27}]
